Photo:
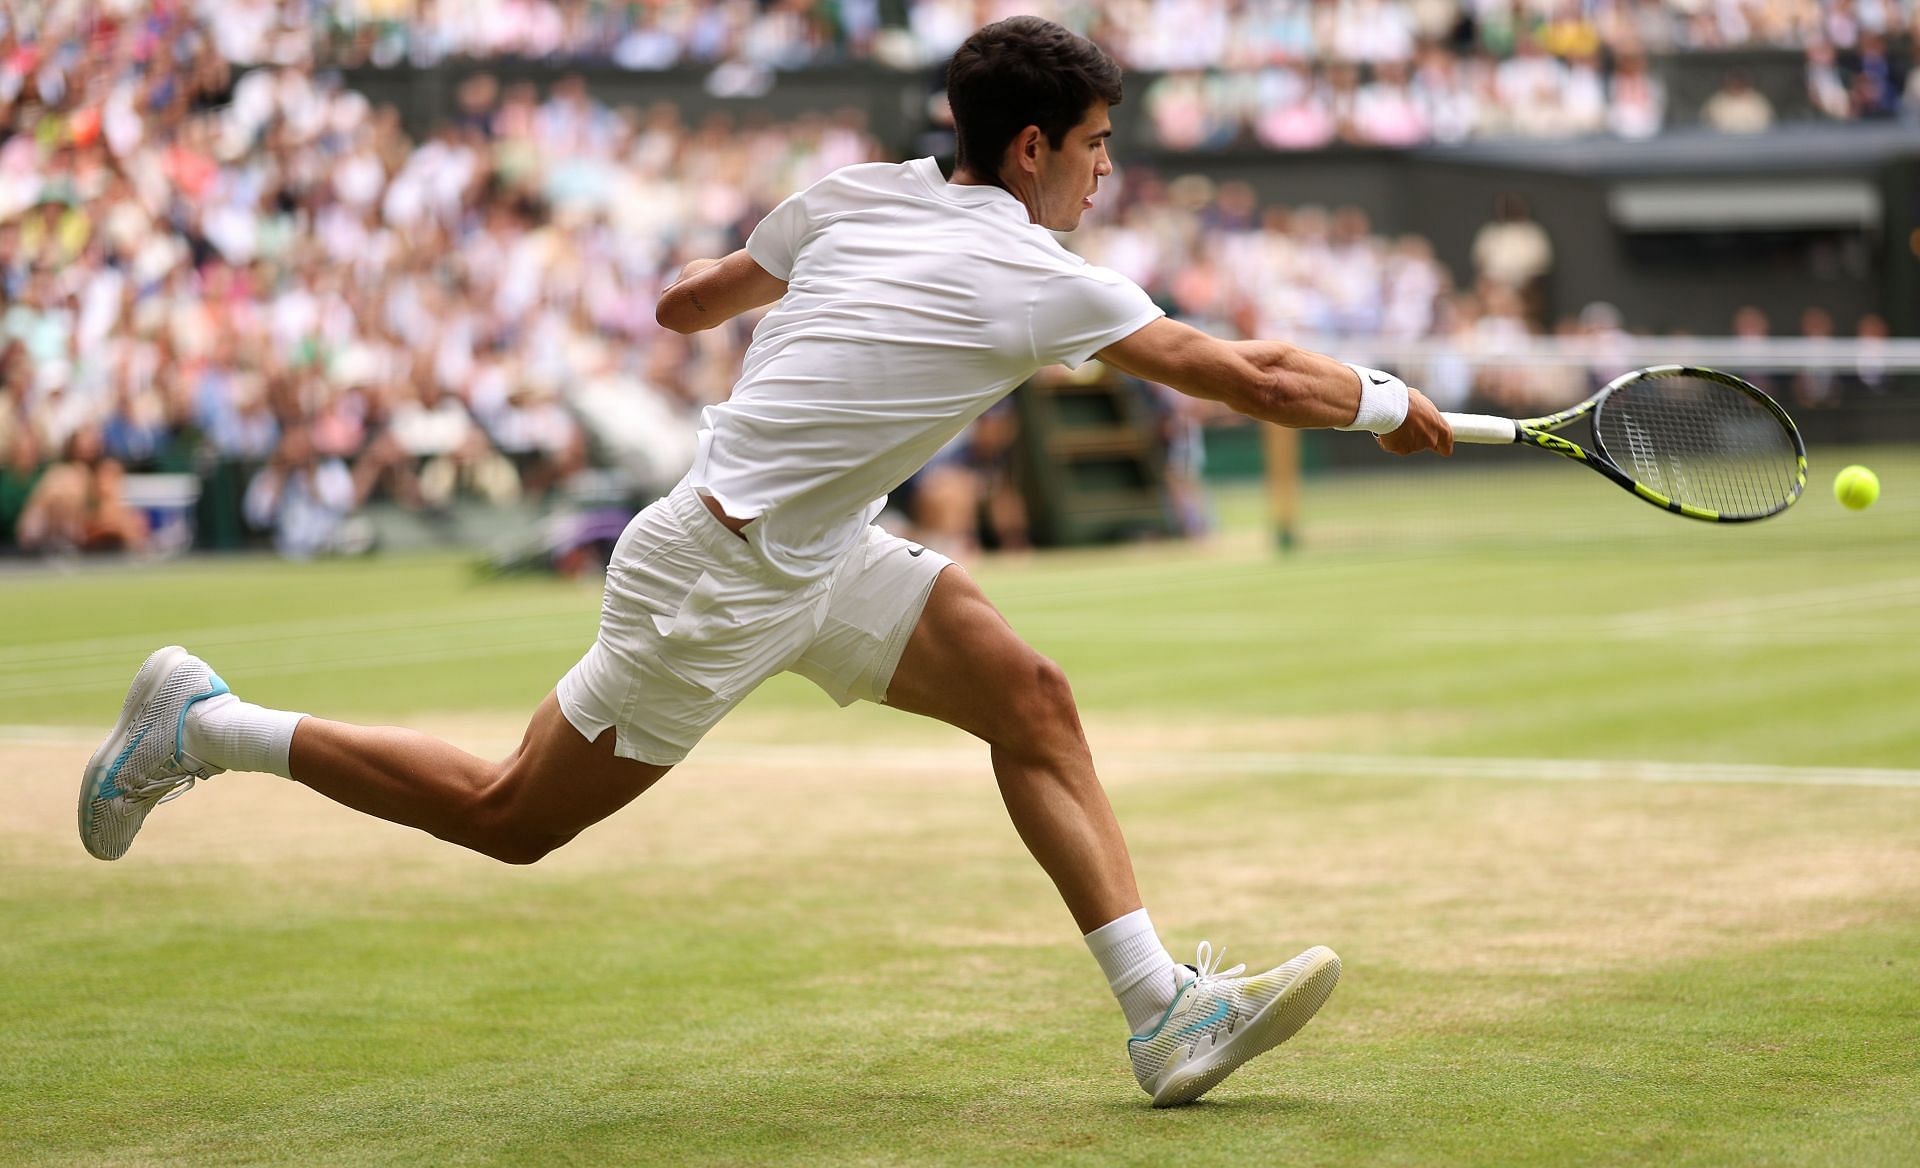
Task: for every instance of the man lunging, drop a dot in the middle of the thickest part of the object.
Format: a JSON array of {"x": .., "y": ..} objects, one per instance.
[{"x": 907, "y": 304}]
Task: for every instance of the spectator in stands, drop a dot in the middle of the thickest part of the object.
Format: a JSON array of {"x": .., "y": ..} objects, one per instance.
[
  {"x": 1530, "y": 86},
  {"x": 1583, "y": 99},
  {"x": 1501, "y": 328},
  {"x": 1386, "y": 112},
  {"x": 437, "y": 432},
  {"x": 1750, "y": 323},
  {"x": 1450, "y": 373},
  {"x": 301, "y": 498},
  {"x": 135, "y": 430},
  {"x": 1606, "y": 342},
  {"x": 1636, "y": 99},
  {"x": 1449, "y": 105},
  {"x": 1869, "y": 370},
  {"x": 1512, "y": 251},
  {"x": 1910, "y": 95},
  {"x": 1815, "y": 388},
  {"x": 1182, "y": 118},
  {"x": 965, "y": 497},
  {"x": 1737, "y": 108},
  {"x": 79, "y": 504},
  {"x": 19, "y": 475},
  {"x": 1751, "y": 327},
  {"x": 1825, "y": 87},
  {"x": 382, "y": 464},
  {"x": 1875, "y": 89},
  {"x": 1295, "y": 110}
]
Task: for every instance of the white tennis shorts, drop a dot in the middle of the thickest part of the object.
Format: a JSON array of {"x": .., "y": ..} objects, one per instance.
[{"x": 693, "y": 620}]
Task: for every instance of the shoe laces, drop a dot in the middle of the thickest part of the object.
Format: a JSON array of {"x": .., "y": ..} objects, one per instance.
[
  {"x": 1206, "y": 964},
  {"x": 171, "y": 787}
]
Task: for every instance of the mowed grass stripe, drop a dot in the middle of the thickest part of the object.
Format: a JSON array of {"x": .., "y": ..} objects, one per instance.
[
  {"x": 1396, "y": 766},
  {"x": 272, "y": 656},
  {"x": 116, "y": 650}
]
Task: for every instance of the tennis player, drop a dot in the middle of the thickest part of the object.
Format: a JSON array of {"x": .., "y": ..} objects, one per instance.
[{"x": 905, "y": 304}]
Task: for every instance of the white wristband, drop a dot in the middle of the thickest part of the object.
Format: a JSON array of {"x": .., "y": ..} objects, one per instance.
[{"x": 1383, "y": 401}]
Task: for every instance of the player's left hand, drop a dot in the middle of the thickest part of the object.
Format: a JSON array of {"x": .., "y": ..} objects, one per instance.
[{"x": 1423, "y": 430}]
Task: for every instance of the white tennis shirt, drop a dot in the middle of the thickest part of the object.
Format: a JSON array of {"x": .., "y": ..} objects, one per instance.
[{"x": 912, "y": 305}]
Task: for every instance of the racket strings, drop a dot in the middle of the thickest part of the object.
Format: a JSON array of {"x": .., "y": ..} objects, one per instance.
[{"x": 1701, "y": 443}]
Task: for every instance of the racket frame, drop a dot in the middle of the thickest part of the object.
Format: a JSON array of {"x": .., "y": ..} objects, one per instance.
[{"x": 1540, "y": 432}]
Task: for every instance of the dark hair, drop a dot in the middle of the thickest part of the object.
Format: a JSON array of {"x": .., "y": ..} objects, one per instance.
[{"x": 1020, "y": 72}]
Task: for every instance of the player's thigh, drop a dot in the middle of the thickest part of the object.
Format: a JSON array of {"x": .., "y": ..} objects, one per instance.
[
  {"x": 966, "y": 666},
  {"x": 558, "y": 782},
  {"x": 874, "y": 601}
]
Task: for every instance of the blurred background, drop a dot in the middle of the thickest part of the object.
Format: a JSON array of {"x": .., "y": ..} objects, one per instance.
[{"x": 335, "y": 277}]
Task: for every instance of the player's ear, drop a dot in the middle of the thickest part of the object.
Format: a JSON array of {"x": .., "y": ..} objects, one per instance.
[{"x": 1026, "y": 149}]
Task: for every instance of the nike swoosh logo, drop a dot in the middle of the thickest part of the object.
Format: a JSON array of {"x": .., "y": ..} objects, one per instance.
[
  {"x": 914, "y": 551},
  {"x": 1219, "y": 1012},
  {"x": 109, "y": 783},
  {"x": 1379, "y": 380}
]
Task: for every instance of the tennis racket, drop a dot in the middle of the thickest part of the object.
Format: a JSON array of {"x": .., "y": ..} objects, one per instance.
[{"x": 1696, "y": 442}]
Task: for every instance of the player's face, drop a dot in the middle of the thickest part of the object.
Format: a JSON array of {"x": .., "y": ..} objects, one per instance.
[{"x": 1070, "y": 175}]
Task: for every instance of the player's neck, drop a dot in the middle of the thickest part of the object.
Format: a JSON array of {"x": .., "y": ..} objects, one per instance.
[{"x": 964, "y": 177}]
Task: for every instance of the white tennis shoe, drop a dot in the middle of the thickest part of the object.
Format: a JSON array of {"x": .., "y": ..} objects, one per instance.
[
  {"x": 144, "y": 762},
  {"x": 1219, "y": 1020}
]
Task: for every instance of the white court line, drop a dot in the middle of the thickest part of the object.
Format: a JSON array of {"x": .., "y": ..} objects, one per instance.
[
  {"x": 1392, "y": 766},
  {"x": 1354, "y": 765},
  {"x": 1810, "y": 634}
]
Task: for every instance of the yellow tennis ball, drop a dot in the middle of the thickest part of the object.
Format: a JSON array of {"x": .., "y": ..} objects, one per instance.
[{"x": 1856, "y": 487}]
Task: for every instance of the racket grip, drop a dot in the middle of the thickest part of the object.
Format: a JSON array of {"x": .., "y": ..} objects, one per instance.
[{"x": 1482, "y": 429}]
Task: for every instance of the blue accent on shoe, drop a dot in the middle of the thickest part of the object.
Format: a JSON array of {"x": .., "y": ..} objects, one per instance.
[
  {"x": 1219, "y": 1012},
  {"x": 214, "y": 690},
  {"x": 108, "y": 788},
  {"x": 1177, "y": 995}
]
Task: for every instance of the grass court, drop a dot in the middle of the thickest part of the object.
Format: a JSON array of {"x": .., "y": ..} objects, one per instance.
[{"x": 1613, "y": 817}]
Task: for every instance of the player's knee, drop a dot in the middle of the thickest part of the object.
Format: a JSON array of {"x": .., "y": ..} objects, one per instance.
[
  {"x": 500, "y": 827},
  {"x": 1047, "y": 720},
  {"x": 523, "y": 848},
  {"x": 519, "y": 843}
]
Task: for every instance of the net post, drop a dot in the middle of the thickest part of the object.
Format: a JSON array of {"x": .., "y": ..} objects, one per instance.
[{"x": 1281, "y": 449}]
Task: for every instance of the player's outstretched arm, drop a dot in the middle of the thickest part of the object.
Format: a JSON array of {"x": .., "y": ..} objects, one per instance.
[
  {"x": 1270, "y": 380},
  {"x": 712, "y": 292}
]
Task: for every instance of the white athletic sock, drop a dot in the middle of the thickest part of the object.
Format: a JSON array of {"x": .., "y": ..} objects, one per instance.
[
  {"x": 240, "y": 736},
  {"x": 1137, "y": 966}
]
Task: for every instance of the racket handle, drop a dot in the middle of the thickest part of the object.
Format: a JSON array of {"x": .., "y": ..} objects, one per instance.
[{"x": 1482, "y": 429}]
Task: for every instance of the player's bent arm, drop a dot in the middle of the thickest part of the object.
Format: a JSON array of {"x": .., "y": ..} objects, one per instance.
[
  {"x": 712, "y": 292},
  {"x": 1268, "y": 380}
]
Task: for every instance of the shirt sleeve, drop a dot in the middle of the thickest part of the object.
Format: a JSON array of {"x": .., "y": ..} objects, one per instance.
[
  {"x": 1079, "y": 313},
  {"x": 777, "y": 239}
]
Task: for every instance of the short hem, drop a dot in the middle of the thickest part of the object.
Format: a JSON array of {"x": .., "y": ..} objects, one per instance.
[
  {"x": 591, "y": 727},
  {"x": 889, "y": 660},
  {"x": 622, "y": 748}
]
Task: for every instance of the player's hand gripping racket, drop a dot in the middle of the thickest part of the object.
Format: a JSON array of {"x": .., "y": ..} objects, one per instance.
[{"x": 1696, "y": 442}]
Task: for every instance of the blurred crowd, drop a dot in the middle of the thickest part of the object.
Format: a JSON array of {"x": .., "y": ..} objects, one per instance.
[
  {"x": 263, "y": 282},
  {"x": 1152, "y": 35},
  {"x": 1385, "y": 73},
  {"x": 255, "y": 280},
  {"x": 1283, "y": 74}
]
